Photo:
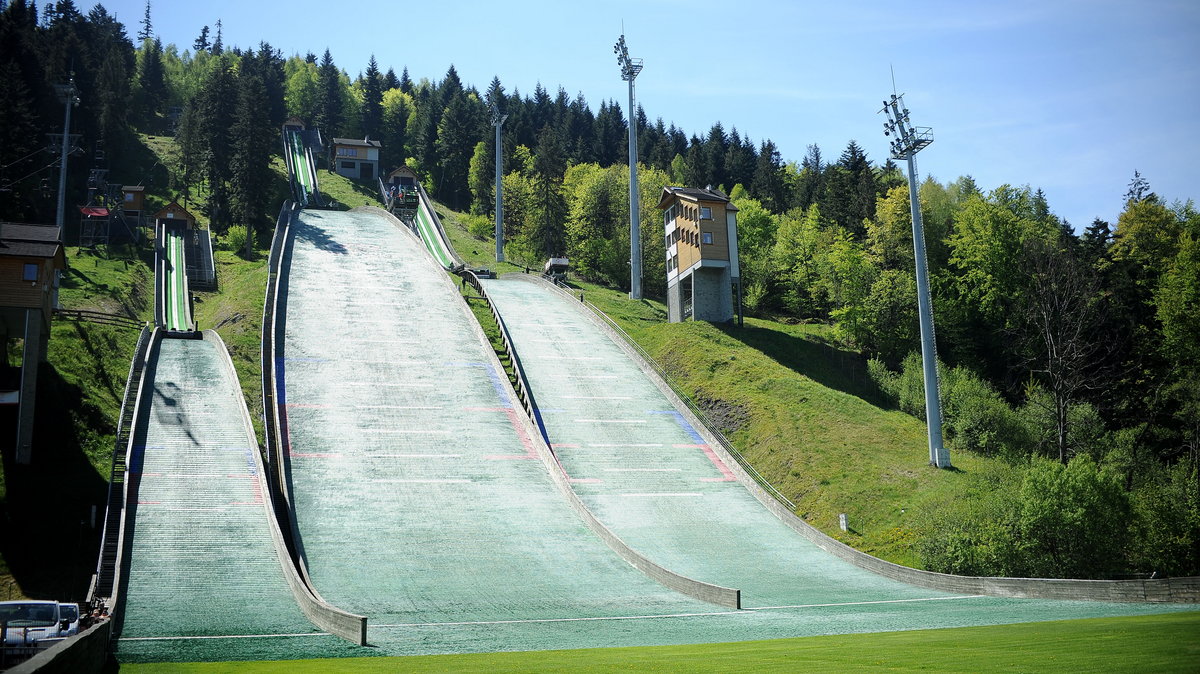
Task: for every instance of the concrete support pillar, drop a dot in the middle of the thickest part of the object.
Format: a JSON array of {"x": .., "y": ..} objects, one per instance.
[{"x": 32, "y": 355}]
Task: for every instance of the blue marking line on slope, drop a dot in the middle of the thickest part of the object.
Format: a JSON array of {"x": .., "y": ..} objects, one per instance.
[
  {"x": 687, "y": 428},
  {"x": 250, "y": 465},
  {"x": 493, "y": 375}
]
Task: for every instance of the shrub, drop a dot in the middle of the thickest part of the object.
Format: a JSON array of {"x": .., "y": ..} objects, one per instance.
[
  {"x": 480, "y": 227},
  {"x": 235, "y": 238},
  {"x": 974, "y": 415},
  {"x": 1073, "y": 520},
  {"x": 973, "y": 534},
  {"x": 978, "y": 419},
  {"x": 1166, "y": 523}
]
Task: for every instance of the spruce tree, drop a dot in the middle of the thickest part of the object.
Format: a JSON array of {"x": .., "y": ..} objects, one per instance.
[
  {"x": 329, "y": 97},
  {"x": 372, "y": 107},
  {"x": 218, "y": 46},
  {"x": 202, "y": 43},
  {"x": 147, "y": 30},
  {"x": 252, "y": 138}
]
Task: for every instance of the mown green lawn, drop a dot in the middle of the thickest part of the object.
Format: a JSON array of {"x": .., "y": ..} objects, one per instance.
[{"x": 1159, "y": 643}]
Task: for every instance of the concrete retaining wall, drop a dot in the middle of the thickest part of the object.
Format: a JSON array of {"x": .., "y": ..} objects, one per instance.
[
  {"x": 1176, "y": 590},
  {"x": 329, "y": 618},
  {"x": 84, "y": 652}
]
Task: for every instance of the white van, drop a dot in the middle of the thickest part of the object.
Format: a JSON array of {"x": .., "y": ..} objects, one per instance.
[
  {"x": 68, "y": 615},
  {"x": 29, "y": 621}
]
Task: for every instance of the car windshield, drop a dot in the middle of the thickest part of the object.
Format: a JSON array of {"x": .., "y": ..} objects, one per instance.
[{"x": 21, "y": 614}]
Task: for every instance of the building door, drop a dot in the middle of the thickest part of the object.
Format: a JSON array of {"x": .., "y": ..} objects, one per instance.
[{"x": 366, "y": 170}]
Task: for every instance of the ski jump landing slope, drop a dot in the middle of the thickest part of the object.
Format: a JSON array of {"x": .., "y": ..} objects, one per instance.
[
  {"x": 202, "y": 579},
  {"x": 649, "y": 475},
  {"x": 419, "y": 499}
]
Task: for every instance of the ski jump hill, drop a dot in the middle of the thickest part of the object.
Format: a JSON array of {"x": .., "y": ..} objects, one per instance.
[{"x": 412, "y": 498}]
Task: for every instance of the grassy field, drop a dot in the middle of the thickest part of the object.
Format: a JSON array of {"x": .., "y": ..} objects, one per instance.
[{"x": 1163, "y": 643}]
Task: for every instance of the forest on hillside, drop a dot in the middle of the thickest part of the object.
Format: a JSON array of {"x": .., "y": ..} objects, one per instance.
[{"x": 1075, "y": 354}]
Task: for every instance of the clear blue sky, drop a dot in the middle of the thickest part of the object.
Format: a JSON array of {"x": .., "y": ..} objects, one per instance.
[{"x": 1067, "y": 95}]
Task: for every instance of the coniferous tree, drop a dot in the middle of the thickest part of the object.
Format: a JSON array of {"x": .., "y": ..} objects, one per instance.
[
  {"x": 202, "y": 43},
  {"x": 810, "y": 182},
  {"x": 713, "y": 156},
  {"x": 390, "y": 81},
  {"x": 457, "y": 133},
  {"x": 372, "y": 110},
  {"x": 1139, "y": 188},
  {"x": 406, "y": 84},
  {"x": 768, "y": 185},
  {"x": 218, "y": 46},
  {"x": 147, "y": 30},
  {"x": 151, "y": 83},
  {"x": 550, "y": 208},
  {"x": 449, "y": 86},
  {"x": 252, "y": 136},
  {"x": 611, "y": 140},
  {"x": 423, "y": 140},
  {"x": 213, "y": 124},
  {"x": 329, "y": 97},
  {"x": 741, "y": 161}
]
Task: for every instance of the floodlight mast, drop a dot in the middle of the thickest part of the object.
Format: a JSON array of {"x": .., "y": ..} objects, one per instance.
[
  {"x": 908, "y": 141},
  {"x": 498, "y": 122},
  {"x": 68, "y": 94},
  {"x": 629, "y": 71}
]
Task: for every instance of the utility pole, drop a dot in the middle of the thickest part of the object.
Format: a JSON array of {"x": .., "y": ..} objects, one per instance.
[
  {"x": 68, "y": 94},
  {"x": 498, "y": 122},
  {"x": 909, "y": 140},
  {"x": 629, "y": 72}
]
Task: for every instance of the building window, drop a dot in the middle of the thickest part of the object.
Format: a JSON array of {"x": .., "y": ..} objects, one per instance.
[
  {"x": 347, "y": 152},
  {"x": 707, "y": 237},
  {"x": 349, "y": 165},
  {"x": 31, "y": 272},
  {"x": 705, "y": 213}
]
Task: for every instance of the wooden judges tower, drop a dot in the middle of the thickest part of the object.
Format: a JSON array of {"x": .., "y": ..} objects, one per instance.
[
  {"x": 31, "y": 257},
  {"x": 702, "y": 255}
]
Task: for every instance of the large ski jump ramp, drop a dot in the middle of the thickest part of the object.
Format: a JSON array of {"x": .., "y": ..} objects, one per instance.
[{"x": 419, "y": 498}]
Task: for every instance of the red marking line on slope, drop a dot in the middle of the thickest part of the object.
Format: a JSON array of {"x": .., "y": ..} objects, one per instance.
[
  {"x": 712, "y": 456},
  {"x": 513, "y": 419}
]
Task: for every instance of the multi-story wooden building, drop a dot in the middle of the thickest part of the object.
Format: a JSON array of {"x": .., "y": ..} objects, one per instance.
[
  {"x": 357, "y": 159},
  {"x": 700, "y": 226},
  {"x": 31, "y": 257}
]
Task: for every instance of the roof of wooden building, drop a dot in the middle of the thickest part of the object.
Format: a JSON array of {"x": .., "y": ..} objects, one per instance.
[{"x": 24, "y": 240}]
